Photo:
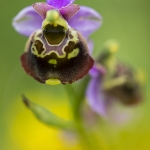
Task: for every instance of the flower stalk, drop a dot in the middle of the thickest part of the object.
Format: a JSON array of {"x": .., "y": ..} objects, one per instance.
[{"x": 87, "y": 139}]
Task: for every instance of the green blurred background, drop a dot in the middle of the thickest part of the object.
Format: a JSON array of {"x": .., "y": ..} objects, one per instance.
[{"x": 126, "y": 21}]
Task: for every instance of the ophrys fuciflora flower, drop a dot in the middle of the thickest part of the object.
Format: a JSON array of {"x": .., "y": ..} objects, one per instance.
[{"x": 56, "y": 53}]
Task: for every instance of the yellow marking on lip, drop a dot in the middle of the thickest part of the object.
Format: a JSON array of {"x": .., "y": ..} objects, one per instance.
[
  {"x": 74, "y": 53},
  {"x": 53, "y": 81},
  {"x": 53, "y": 61},
  {"x": 42, "y": 55},
  {"x": 75, "y": 36}
]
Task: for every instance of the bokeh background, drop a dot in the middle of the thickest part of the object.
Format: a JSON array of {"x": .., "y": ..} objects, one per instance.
[{"x": 126, "y": 21}]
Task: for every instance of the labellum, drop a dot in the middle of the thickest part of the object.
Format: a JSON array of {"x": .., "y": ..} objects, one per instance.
[{"x": 56, "y": 53}]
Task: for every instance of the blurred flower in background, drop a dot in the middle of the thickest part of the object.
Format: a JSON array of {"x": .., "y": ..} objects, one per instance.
[{"x": 114, "y": 83}]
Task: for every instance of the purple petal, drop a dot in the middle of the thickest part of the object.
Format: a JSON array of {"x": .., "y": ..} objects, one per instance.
[
  {"x": 41, "y": 8},
  {"x": 95, "y": 97},
  {"x": 87, "y": 20},
  {"x": 27, "y": 21},
  {"x": 59, "y": 3},
  {"x": 97, "y": 71},
  {"x": 69, "y": 11},
  {"x": 108, "y": 108}
]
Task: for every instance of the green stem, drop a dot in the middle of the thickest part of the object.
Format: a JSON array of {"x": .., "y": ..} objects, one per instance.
[{"x": 85, "y": 137}]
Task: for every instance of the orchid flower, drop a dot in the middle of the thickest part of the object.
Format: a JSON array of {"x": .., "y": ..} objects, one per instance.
[
  {"x": 112, "y": 83},
  {"x": 57, "y": 49}
]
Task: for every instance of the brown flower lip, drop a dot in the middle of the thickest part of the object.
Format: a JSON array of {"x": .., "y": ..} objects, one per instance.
[{"x": 66, "y": 61}]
